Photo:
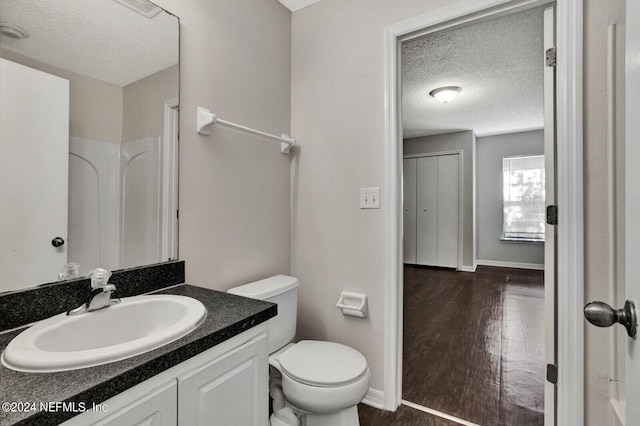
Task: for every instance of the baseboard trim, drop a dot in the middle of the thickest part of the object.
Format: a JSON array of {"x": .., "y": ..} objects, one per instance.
[
  {"x": 374, "y": 398},
  {"x": 467, "y": 268},
  {"x": 518, "y": 265},
  {"x": 618, "y": 408},
  {"x": 438, "y": 413}
]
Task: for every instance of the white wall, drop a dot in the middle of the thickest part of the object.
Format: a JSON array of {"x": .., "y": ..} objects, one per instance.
[
  {"x": 235, "y": 58},
  {"x": 337, "y": 116},
  {"x": 463, "y": 141},
  {"x": 95, "y": 107},
  {"x": 143, "y": 104},
  {"x": 490, "y": 151}
]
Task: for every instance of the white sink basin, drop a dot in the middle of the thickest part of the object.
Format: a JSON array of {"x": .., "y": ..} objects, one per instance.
[{"x": 133, "y": 326}]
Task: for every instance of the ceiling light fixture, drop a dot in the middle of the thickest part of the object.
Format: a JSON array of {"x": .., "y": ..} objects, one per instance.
[
  {"x": 13, "y": 31},
  {"x": 445, "y": 94}
]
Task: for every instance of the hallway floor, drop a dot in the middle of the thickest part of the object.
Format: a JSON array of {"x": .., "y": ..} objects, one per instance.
[{"x": 474, "y": 344}]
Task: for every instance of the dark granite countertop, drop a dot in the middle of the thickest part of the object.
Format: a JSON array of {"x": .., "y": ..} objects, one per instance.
[{"x": 227, "y": 316}]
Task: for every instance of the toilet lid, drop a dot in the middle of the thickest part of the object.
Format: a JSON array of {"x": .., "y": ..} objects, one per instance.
[{"x": 322, "y": 363}]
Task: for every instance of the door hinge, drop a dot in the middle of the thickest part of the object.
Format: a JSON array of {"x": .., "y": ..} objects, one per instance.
[
  {"x": 550, "y": 57},
  {"x": 552, "y": 373},
  {"x": 552, "y": 215}
]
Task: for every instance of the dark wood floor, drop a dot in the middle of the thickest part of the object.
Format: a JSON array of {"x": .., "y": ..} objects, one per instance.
[
  {"x": 474, "y": 344},
  {"x": 404, "y": 416}
]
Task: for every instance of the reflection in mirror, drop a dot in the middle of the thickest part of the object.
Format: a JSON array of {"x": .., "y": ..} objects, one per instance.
[{"x": 88, "y": 133}]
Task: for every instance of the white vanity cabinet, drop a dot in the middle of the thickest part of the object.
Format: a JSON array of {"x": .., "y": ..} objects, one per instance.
[
  {"x": 230, "y": 390},
  {"x": 159, "y": 408},
  {"x": 225, "y": 385}
]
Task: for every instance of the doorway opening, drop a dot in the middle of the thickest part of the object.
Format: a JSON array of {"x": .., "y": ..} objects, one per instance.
[
  {"x": 566, "y": 407},
  {"x": 474, "y": 194}
]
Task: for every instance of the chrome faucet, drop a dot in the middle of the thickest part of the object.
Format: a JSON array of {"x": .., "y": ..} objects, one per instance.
[{"x": 100, "y": 295}]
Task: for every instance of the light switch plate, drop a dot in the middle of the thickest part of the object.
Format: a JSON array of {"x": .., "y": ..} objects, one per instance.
[{"x": 370, "y": 198}]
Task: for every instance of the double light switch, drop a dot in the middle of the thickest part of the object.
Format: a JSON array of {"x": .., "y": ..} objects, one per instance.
[{"x": 370, "y": 198}]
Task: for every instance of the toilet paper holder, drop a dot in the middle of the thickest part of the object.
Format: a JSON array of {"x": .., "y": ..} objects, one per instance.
[{"x": 353, "y": 304}]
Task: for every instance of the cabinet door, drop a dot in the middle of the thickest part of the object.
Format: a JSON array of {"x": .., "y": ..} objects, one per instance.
[
  {"x": 448, "y": 200},
  {"x": 159, "y": 408},
  {"x": 409, "y": 210},
  {"x": 230, "y": 390},
  {"x": 427, "y": 210}
]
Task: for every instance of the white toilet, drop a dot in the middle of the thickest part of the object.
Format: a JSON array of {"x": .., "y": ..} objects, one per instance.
[{"x": 313, "y": 383}]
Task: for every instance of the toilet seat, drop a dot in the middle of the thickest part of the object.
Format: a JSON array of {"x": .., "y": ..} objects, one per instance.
[
  {"x": 323, "y": 364},
  {"x": 323, "y": 377},
  {"x": 322, "y": 399}
]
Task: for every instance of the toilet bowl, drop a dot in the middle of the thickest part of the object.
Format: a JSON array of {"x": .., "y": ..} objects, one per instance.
[{"x": 315, "y": 383}]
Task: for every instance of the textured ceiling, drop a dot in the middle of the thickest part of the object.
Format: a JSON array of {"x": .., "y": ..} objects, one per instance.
[
  {"x": 499, "y": 66},
  {"x": 98, "y": 38},
  {"x": 294, "y": 5}
]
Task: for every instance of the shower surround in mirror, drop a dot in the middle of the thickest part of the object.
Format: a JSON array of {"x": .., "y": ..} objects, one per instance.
[
  {"x": 123, "y": 88},
  {"x": 114, "y": 203}
]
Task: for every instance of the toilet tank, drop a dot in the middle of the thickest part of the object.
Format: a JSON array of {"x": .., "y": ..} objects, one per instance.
[{"x": 282, "y": 290}]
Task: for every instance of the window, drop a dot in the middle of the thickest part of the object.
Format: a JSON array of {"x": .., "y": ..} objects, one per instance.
[{"x": 523, "y": 198}]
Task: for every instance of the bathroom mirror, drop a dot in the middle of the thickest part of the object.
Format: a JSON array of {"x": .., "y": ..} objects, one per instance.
[{"x": 88, "y": 137}]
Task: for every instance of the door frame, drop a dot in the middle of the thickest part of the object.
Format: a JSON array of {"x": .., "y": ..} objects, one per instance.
[
  {"x": 569, "y": 196},
  {"x": 632, "y": 200},
  {"x": 169, "y": 161},
  {"x": 460, "y": 154}
]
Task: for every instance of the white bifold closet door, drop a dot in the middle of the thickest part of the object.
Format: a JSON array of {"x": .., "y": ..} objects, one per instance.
[
  {"x": 448, "y": 211},
  {"x": 409, "y": 210},
  {"x": 431, "y": 194},
  {"x": 427, "y": 206}
]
